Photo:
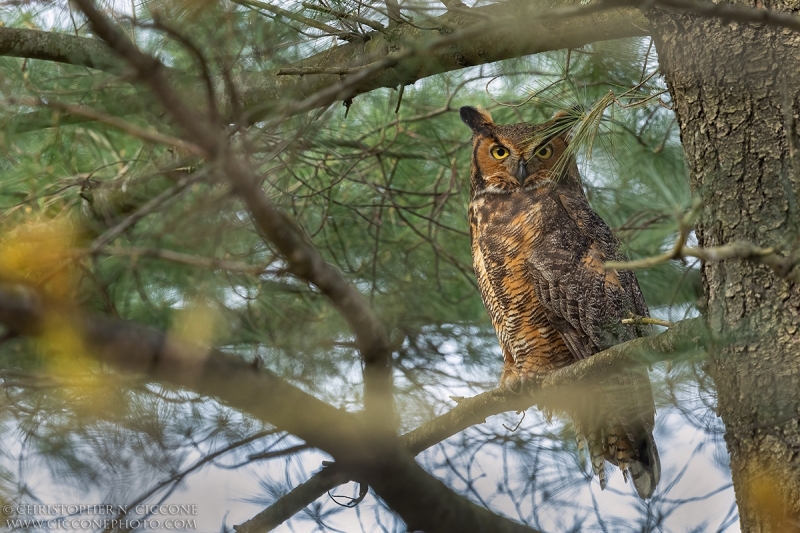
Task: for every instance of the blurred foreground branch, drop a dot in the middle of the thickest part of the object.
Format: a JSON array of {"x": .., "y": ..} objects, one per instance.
[
  {"x": 302, "y": 259},
  {"x": 133, "y": 347},
  {"x": 421, "y": 500}
]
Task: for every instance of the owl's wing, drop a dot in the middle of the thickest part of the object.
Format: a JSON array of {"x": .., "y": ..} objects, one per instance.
[
  {"x": 583, "y": 301},
  {"x": 586, "y": 304}
]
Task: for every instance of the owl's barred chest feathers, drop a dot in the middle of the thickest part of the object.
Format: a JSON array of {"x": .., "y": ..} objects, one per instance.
[{"x": 505, "y": 230}]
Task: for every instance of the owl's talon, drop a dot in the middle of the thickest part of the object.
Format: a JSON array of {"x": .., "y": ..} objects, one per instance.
[
  {"x": 512, "y": 383},
  {"x": 524, "y": 383}
]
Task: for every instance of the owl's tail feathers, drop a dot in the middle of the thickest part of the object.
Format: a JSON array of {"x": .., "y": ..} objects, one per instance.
[{"x": 645, "y": 468}]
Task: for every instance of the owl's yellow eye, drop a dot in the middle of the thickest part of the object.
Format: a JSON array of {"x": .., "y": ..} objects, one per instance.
[
  {"x": 498, "y": 152},
  {"x": 545, "y": 152}
]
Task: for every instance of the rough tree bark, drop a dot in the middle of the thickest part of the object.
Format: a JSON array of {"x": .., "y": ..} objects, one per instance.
[{"x": 736, "y": 93}]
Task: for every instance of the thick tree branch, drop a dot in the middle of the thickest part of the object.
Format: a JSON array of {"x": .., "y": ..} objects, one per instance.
[
  {"x": 136, "y": 348},
  {"x": 262, "y": 394},
  {"x": 513, "y": 28},
  {"x": 501, "y": 31},
  {"x": 504, "y": 30},
  {"x": 59, "y": 47}
]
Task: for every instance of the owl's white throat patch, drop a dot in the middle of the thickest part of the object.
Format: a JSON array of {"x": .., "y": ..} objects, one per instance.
[{"x": 494, "y": 189}]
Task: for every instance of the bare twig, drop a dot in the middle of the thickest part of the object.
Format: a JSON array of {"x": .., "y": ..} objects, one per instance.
[
  {"x": 176, "y": 478},
  {"x": 178, "y": 257},
  {"x": 783, "y": 266},
  {"x": 685, "y": 225},
  {"x": 647, "y": 321},
  {"x": 345, "y": 16},
  {"x": 302, "y": 71},
  {"x": 148, "y": 208},
  {"x": 344, "y": 35},
  {"x": 295, "y": 501}
]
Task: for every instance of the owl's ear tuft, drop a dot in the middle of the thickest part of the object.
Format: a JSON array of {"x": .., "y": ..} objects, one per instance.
[
  {"x": 479, "y": 120},
  {"x": 573, "y": 114},
  {"x": 564, "y": 121}
]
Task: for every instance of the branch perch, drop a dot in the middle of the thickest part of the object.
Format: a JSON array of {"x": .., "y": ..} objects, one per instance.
[{"x": 685, "y": 335}]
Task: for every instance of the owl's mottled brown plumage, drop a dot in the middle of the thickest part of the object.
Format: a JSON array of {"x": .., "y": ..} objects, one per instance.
[{"x": 538, "y": 251}]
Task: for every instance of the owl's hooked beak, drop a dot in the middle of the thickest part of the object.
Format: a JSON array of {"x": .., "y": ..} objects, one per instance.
[{"x": 522, "y": 171}]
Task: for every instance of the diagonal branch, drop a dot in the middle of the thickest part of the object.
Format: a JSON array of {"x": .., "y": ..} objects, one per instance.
[
  {"x": 303, "y": 260},
  {"x": 682, "y": 336}
]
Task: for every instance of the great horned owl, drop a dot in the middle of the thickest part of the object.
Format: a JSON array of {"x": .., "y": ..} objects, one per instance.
[{"x": 538, "y": 250}]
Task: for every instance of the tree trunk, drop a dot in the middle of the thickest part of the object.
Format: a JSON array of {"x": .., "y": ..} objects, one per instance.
[{"x": 735, "y": 91}]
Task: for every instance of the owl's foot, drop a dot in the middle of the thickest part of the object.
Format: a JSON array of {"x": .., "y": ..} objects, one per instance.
[{"x": 521, "y": 382}]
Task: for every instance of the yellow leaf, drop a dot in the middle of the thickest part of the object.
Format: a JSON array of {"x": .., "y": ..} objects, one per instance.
[{"x": 38, "y": 252}]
